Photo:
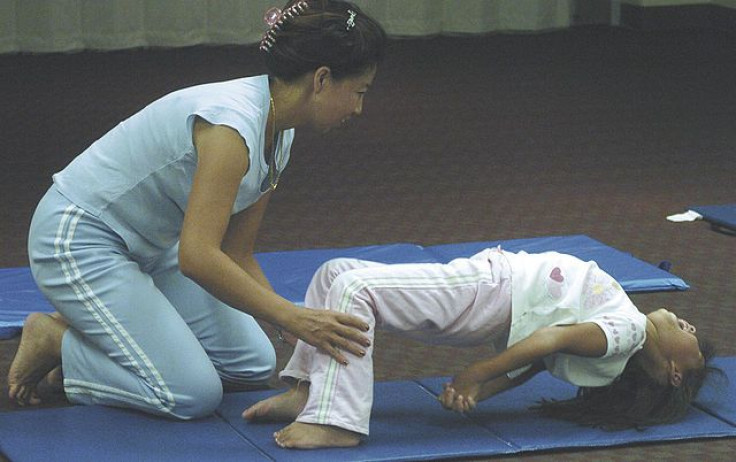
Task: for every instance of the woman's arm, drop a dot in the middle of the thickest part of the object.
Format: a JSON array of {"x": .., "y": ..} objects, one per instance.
[
  {"x": 467, "y": 388},
  {"x": 239, "y": 244},
  {"x": 210, "y": 250},
  {"x": 239, "y": 241}
]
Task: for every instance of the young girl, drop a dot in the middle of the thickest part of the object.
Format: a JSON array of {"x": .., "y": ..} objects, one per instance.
[
  {"x": 144, "y": 243},
  {"x": 543, "y": 311}
]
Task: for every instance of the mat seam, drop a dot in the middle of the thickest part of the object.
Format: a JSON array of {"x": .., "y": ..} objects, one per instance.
[
  {"x": 517, "y": 449},
  {"x": 244, "y": 438}
]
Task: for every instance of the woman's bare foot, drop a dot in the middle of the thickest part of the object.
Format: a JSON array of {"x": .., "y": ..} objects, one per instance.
[
  {"x": 280, "y": 408},
  {"x": 39, "y": 352},
  {"x": 56, "y": 315},
  {"x": 55, "y": 380},
  {"x": 310, "y": 436}
]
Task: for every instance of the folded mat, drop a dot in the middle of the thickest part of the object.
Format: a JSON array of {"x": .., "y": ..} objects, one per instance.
[
  {"x": 721, "y": 217},
  {"x": 407, "y": 424},
  {"x": 290, "y": 271}
]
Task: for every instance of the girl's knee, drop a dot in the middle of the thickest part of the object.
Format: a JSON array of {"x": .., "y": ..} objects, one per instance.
[
  {"x": 331, "y": 269},
  {"x": 353, "y": 288}
]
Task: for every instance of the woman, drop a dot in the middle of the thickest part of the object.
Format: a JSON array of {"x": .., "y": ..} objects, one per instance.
[
  {"x": 144, "y": 243},
  {"x": 540, "y": 311}
]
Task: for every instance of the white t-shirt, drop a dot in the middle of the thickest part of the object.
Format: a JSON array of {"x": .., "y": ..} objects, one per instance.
[
  {"x": 137, "y": 177},
  {"x": 551, "y": 289}
]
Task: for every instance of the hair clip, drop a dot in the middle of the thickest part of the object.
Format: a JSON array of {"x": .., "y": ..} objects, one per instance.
[
  {"x": 351, "y": 20},
  {"x": 275, "y": 17},
  {"x": 272, "y": 15}
]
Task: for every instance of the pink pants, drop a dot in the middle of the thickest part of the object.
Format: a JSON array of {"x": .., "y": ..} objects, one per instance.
[{"x": 466, "y": 302}]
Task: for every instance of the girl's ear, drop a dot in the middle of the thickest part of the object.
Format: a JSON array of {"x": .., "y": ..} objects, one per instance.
[
  {"x": 675, "y": 375},
  {"x": 322, "y": 77}
]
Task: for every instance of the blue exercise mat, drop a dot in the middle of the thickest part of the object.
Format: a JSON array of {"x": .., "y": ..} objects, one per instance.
[
  {"x": 407, "y": 424},
  {"x": 96, "y": 433},
  {"x": 509, "y": 419},
  {"x": 719, "y": 216},
  {"x": 291, "y": 271},
  {"x": 19, "y": 296},
  {"x": 720, "y": 400}
]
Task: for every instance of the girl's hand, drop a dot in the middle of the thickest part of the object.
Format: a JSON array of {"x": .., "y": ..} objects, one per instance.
[
  {"x": 464, "y": 392},
  {"x": 452, "y": 400},
  {"x": 331, "y": 332}
]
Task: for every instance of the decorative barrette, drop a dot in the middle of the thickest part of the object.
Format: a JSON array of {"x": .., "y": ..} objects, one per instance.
[
  {"x": 351, "y": 20},
  {"x": 275, "y": 18}
]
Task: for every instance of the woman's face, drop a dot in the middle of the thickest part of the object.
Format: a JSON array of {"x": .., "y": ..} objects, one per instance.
[{"x": 340, "y": 100}]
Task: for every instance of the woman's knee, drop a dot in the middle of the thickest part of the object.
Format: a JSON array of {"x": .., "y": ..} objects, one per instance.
[
  {"x": 265, "y": 367},
  {"x": 251, "y": 369},
  {"x": 197, "y": 395}
]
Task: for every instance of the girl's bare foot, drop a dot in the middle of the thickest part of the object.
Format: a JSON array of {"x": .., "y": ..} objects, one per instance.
[
  {"x": 38, "y": 353},
  {"x": 280, "y": 408},
  {"x": 310, "y": 436}
]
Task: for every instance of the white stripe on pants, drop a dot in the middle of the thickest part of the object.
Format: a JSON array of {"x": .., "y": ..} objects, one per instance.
[{"x": 466, "y": 302}]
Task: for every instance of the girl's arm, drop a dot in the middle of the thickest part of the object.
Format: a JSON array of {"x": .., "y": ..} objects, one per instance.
[
  {"x": 217, "y": 251},
  {"x": 453, "y": 400},
  {"x": 487, "y": 377},
  {"x": 503, "y": 383}
]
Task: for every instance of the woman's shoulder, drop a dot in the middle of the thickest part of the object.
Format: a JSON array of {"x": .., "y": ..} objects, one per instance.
[
  {"x": 240, "y": 103},
  {"x": 255, "y": 87}
]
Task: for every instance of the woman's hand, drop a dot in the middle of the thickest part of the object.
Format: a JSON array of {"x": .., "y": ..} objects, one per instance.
[{"x": 331, "y": 332}]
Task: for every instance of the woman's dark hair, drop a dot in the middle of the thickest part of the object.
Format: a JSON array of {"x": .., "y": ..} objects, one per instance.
[
  {"x": 335, "y": 34},
  {"x": 633, "y": 400}
]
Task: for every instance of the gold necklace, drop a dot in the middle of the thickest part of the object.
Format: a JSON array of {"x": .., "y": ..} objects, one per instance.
[{"x": 273, "y": 175}]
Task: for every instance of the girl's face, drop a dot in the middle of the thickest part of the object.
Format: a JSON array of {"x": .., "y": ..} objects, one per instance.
[
  {"x": 340, "y": 100},
  {"x": 677, "y": 339}
]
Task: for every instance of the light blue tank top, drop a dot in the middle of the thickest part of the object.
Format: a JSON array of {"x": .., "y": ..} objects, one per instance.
[{"x": 137, "y": 177}]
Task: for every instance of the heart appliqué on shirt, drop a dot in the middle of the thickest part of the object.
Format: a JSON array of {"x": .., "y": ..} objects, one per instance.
[{"x": 556, "y": 275}]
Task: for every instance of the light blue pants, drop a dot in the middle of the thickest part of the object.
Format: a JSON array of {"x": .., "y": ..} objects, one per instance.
[{"x": 141, "y": 334}]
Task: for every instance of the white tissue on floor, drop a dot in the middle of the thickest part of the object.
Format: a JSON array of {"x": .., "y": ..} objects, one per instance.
[{"x": 690, "y": 215}]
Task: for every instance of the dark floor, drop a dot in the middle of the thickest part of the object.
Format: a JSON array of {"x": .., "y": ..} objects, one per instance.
[{"x": 595, "y": 131}]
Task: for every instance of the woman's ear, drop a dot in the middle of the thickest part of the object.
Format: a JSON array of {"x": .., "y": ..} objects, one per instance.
[{"x": 322, "y": 78}]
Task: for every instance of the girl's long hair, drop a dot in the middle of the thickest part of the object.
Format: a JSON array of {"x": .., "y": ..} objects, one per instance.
[{"x": 633, "y": 400}]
